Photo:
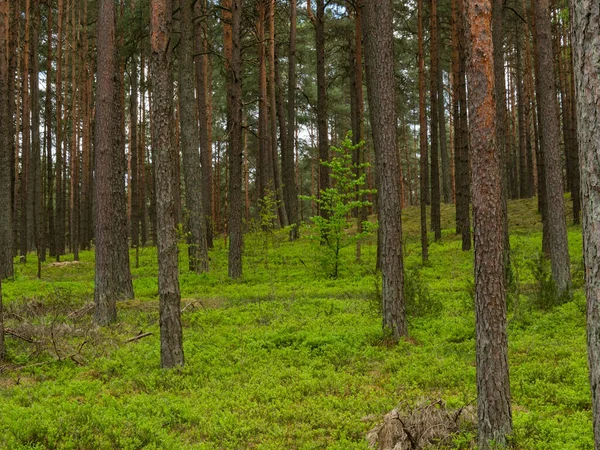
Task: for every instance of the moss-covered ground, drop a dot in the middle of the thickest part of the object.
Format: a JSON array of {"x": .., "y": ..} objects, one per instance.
[{"x": 285, "y": 358}]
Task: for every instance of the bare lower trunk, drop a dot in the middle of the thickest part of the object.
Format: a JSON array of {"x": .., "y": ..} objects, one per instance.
[
  {"x": 585, "y": 16},
  {"x": 550, "y": 142},
  {"x": 379, "y": 61},
  {"x": 494, "y": 410},
  {"x": 171, "y": 336},
  {"x": 113, "y": 278}
]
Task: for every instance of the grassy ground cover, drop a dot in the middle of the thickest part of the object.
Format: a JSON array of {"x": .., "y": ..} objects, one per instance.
[{"x": 285, "y": 358}]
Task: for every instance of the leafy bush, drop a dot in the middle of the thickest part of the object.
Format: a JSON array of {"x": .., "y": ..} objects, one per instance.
[
  {"x": 546, "y": 295},
  {"x": 419, "y": 301}
]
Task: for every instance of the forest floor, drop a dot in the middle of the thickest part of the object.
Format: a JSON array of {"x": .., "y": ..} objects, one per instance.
[{"x": 286, "y": 358}]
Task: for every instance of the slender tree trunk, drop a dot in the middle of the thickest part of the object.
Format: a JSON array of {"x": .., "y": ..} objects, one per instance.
[
  {"x": 501, "y": 114},
  {"x": 461, "y": 135},
  {"x": 198, "y": 249},
  {"x": 446, "y": 169},
  {"x": 171, "y": 336},
  {"x": 423, "y": 141},
  {"x": 433, "y": 91},
  {"x": 36, "y": 197},
  {"x": 59, "y": 227},
  {"x": 264, "y": 159},
  {"x": 278, "y": 194},
  {"x": 550, "y": 142},
  {"x": 201, "y": 49},
  {"x": 74, "y": 156},
  {"x": 290, "y": 189},
  {"x": 525, "y": 183},
  {"x": 234, "y": 109},
  {"x": 379, "y": 61},
  {"x": 50, "y": 236},
  {"x": 493, "y": 400},
  {"x": 585, "y": 29},
  {"x": 133, "y": 151},
  {"x": 113, "y": 278},
  {"x": 26, "y": 142},
  {"x": 6, "y": 234}
]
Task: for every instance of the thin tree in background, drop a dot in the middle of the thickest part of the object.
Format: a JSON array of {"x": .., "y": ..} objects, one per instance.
[
  {"x": 198, "y": 247},
  {"x": 379, "y": 62},
  {"x": 202, "y": 88},
  {"x": 461, "y": 130},
  {"x": 433, "y": 91},
  {"x": 585, "y": 29},
  {"x": 423, "y": 140},
  {"x": 6, "y": 233},
  {"x": 171, "y": 336},
  {"x": 235, "y": 110},
  {"x": 493, "y": 389},
  {"x": 290, "y": 189},
  {"x": 322, "y": 127},
  {"x": 550, "y": 143},
  {"x": 113, "y": 277}
]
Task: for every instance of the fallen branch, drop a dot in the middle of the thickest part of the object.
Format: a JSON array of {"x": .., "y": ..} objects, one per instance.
[
  {"x": 20, "y": 336},
  {"x": 138, "y": 337}
]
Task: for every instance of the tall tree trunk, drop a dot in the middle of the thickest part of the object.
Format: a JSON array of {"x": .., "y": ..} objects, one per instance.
[
  {"x": 550, "y": 142},
  {"x": 585, "y": 29},
  {"x": 198, "y": 249},
  {"x": 6, "y": 234},
  {"x": 171, "y": 336},
  {"x": 446, "y": 169},
  {"x": 59, "y": 228},
  {"x": 264, "y": 156},
  {"x": 234, "y": 111},
  {"x": 277, "y": 194},
  {"x": 525, "y": 189},
  {"x": 290, "y": 189},
  {"x": 36, "y": 183},
  {"x": 133, "y": 150},
  {"x": 26, "y": 142},
  {"x": 493, "y": 389},
  {"x": 433, "y": 91},
  {"x": 501, "y": 114},
  {"x": 379, "y": 61},
  {"x": 461, "y": 131},
  {"x": 424, "y": 170},
  {"x": 113, "y": 278},
  {"x": 322, "y": 127},
  {"x": 50, "y": 236},
  {"x": 74, "y": 157},
  {"x": 202, "y": 88}
]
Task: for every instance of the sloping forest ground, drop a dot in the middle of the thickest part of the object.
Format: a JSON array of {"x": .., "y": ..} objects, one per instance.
[{"x": 287, "y": 358}]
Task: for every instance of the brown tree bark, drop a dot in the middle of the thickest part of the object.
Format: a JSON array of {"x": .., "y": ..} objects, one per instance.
[
  {"x": 25, "y": 184},
  {"x": 433, "y": 95},
  {"x": 59, "y": 228},
  {"x": 585, "y": 30},
  {"x": 501, "y": 114},
  {"x": 6, "y": 233},
  {"x": 113, "y": 278},
  {"x": 134, "y": 154},
  {"x": 190, "y": 141},
  {"x": 233, "y": 21},
  {"x": 322, "y": 127},
  {"x": 461, "y": 131},
  {"x": 379, "y": 62},
  {"x": 171, "y": 336},
  {"x": 424, "y": 170},
  {"x": 265, "y": 177},
  {"x": 445, "y": 160},
  {"x": 493, "y": 389},
  {"x": 74, "y": 215},
  {"x": 202, "y": 88},
  {"x": 36, "y": 183},
  {"x": 278, "y": 193},
  {"x": 550, "y": 143},
  {"x": 50, "y": 236},
  {"x": 290, "y": 189}
]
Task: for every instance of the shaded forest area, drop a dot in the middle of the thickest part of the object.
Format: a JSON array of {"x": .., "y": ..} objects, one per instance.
[{"x": 215, "y": 128}]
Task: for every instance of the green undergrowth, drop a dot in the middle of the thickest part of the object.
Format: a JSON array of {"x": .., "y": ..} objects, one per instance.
[{"x": 286, "y": 358}]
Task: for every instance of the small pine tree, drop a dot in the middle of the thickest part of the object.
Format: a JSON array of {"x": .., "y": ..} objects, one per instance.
[{"x": 337, "y": 203}]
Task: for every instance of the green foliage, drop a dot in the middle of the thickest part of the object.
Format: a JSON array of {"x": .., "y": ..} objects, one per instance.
[
  {"x": 337, "y": 203},
  {"x": 418, "y": 298},
  {"x": 546, "y": 293},
  {"x": 282, "y": 359}
]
